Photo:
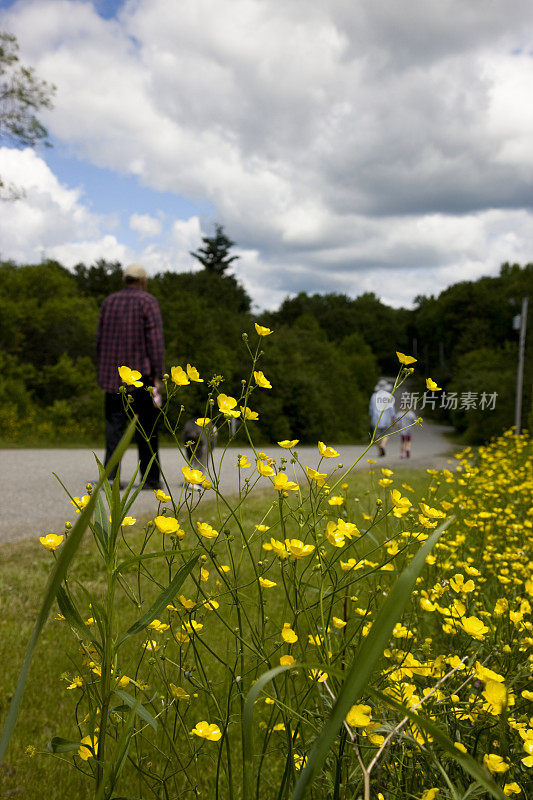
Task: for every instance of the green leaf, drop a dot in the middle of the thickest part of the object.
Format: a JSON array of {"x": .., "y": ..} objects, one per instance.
[
  {"x": 466, "y": 761},
  {"x": 72, "y": 615},
  {"x": 59, "y": 745},
  {"x": 135, "y": 704},
  {"x": 364, "y": 663},
  {"x": 166, "y": 596},
  {"x": 55, "y": 580}
]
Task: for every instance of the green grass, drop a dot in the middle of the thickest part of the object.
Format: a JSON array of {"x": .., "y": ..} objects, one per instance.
[{"x": 47, "y": 708}]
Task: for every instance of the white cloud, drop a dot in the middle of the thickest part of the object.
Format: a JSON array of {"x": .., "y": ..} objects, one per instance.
[
  {"x": 145, "y": 225},
  {"x": 345, "y": 146}
]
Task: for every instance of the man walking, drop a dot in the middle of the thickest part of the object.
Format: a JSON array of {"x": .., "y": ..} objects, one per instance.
[{"x": 130, "y": 333}]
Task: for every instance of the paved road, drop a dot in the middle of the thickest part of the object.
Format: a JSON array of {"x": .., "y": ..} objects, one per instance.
[{"x": 33, "y": 502}]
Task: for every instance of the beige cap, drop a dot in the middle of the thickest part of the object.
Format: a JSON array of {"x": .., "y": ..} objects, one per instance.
[{"x": 136, "y": 271}]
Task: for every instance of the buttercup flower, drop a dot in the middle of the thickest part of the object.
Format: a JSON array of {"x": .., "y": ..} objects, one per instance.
[
  {"x": 298, "y": 549},
  {"x": 279, "y": 549},
  {"x": 327, "y": 452},
  {"x": 265, "y": 583},
  {"x": 262, "y": 330},
  {"x": 88, "y": 747},
  {"x": 179, "y": 376},
  {"x": 262, "y": 381},
  {"x": 193, "y": 374},
  {"x": 264, "y": 469},
  {"x": 226, "y": 406},
  {"x": 161, "y": 496},
  {"x": 128, "y": 521},
  {"x": 207, "y": 531},
  {"x": 243, "y": 462},
  {"x": 211, "y": 732},
  {"x": 247, "y": 413},
  {"x": 79, "y": 503},
  {"x": 287, "y": 634},
  {"x": 286, "y": 661},
  {"x": 130, "y": 376},
  {"x": 495, "y": 763},
  {"x": 51, "y": 540},
  {"x": 318, "y": 477},
  {"x": 203, "y": 421},
  {"x": 406, "y": 360},
  {"x": 194, "y": 476},
  {"x": 288, "y": 443},
  {"x": 283, "y": 484},
  {"x": 359, "y": 716},
  {"x": 432, "y": 386},
  {"x": 178, "y": 692}
]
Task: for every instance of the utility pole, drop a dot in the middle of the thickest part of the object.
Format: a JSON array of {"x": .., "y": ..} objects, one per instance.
[{"x": 520, "y": 371}]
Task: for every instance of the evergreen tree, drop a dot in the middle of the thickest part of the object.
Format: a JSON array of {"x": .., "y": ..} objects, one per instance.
[{"x": 214, "y": 255}]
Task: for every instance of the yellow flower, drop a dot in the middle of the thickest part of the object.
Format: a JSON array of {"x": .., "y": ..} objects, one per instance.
[
  {"x": 186, "y": 603},
  {"x": 334, "y": 535},
  {"x": 178, "y": 692},
  {"x": 432, "y": 386},
  {"x": 288, "y": 635},
  {"x": 206, "y": 530},
  {"x": 179, "y": 376},
  {"x": 194, "y": 476},
  {"x": 51, "y": 540},
  {"x": 495, "y": 763},
  {"x": 299, "y": 761},
  {"x": 264, "y": 469},
  {"x": 359, "y": 716},
  {"x": 262, "y": 331},
  {"x": 511, "y": 788},
  {"x": 204, "y": 574},
  {"x": 459, "y": 585},
  {"x": 298, "y": 549},
  {"x": 335, "y": 500},
  {"x": 266, "y": 584},
  {"x": 193, "y": 374},
  {"x": 211, "y": 605},
  {"x": 247, "y": 413},
  {"x": 318, "y": 675},
  {"x": 279, "y": 548},
  {"x": 128, "y": 521},
  {"x": 262, "y": 381},
  {"x": 203, "y": 421},
  {"x": 243, "y": 462},
  {"x": 401, "y": 504},
  {"x": 286, "y": 661},
  {"x": 288, "y": 443},
  {"x": 474, "y": 627},
  {"x": 430, "y": 794},
  {"x": 192, "y": 626},
  {"x": 77, "y": 682},
  {"x": 168, "y": 525},
  {"x": 211, "y": 732},
  {"x": 496, "y": 696},
  {"x": 79, "y": 503},
  {"x": 338, "y": 623},
  {"x": 318, "y": 477},
  {"x": 226, "y": 406},
  {"x": 403, "y": 359},
  {"x": 130, "y": 376},
  {"x": 283, "y": 484},
  {"x": 88, "y": 747},
  {"x": 262, "y": 528},
  {"x": 159, "y": 626},
  {"x": 161, "y": 496},
  {"x": 327, "y": 452}
]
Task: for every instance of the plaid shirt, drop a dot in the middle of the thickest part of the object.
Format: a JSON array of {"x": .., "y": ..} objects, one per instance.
[{"x": 130, "y": 333}]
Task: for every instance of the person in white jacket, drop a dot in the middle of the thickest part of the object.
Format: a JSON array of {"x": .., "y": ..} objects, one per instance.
[{"x": 381, "y": 410}]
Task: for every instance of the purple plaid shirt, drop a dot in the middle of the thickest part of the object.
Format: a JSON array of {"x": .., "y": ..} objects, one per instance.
[{"x": 130, "y": 333}]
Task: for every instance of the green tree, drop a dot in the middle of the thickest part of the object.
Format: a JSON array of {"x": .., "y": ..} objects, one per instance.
[
  {"x": 215, "y": 254},
  {"x": 22, "y": 95}
]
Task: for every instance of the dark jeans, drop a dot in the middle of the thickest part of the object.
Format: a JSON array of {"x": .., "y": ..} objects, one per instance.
[{"x": 116, "y": 421}]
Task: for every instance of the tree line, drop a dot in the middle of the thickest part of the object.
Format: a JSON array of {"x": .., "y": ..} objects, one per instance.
[{"x": 327, "y": 354}]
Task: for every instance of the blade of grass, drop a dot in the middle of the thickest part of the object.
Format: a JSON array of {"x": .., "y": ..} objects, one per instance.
[
  {"x": 57, "y": 576},
  {"x": 365, "y": 661}
]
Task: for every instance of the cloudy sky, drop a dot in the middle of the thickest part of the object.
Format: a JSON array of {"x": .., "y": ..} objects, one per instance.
[{"x": 345, "y": 145}]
